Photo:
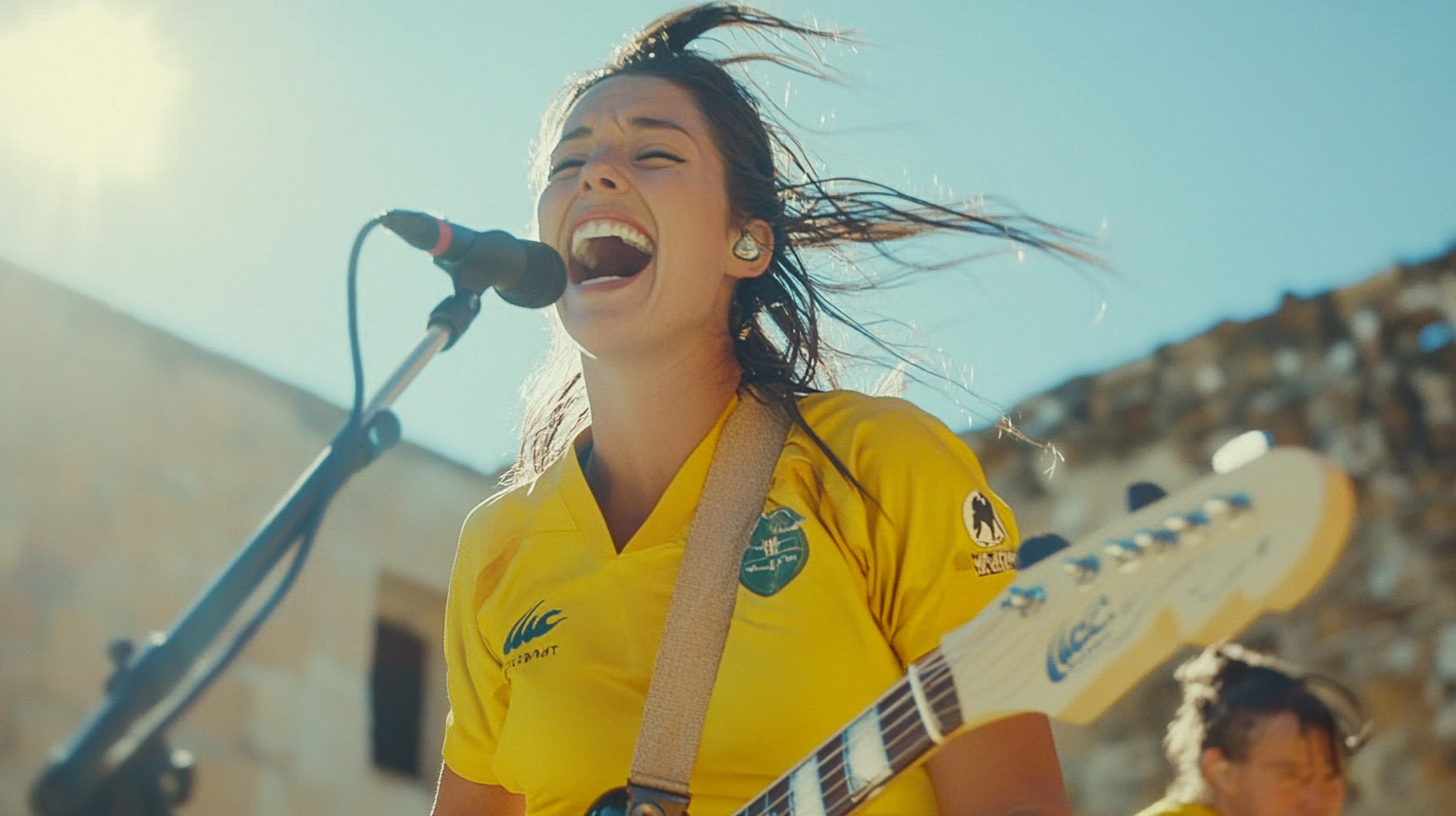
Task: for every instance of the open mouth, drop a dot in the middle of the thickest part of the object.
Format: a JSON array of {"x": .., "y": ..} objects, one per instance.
[{"x": 605, "y": 250}]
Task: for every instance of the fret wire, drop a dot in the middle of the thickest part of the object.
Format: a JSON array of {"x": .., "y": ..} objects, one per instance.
[
  {"x": 908, "y": 748},
  {"x": 771, "y": 800},
  {"x": 900, "y": 721},
  {"x": 831, "y": 799},
  {"x": 944, "y": 683},
  {"x": 928, "y": 716},
  {"x": 771, "y": 808},
  {"x": 839, "y": 798},
  {"x": 834, "y": 772},
  {"x": 940, "y": 688},
  {"x": 780, "y": 796},
  {"x": 905, "y": 728},
  {"x": 899, "y": 759},
  {"x": 895, "y": 709},
  {"x": 938, "y": 682}
]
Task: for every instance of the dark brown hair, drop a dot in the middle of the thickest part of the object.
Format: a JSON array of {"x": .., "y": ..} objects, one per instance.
[
  {"x": 1230, "y": 691},
  {"x": 775, "y": 319}
]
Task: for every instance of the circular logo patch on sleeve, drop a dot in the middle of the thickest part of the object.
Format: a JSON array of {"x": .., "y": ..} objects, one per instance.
[
  {"x": 776, "y": 552},
  {"x": 982, "y": 522}
]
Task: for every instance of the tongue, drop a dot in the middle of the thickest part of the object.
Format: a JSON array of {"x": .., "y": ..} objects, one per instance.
[{"x": 615, "y": 258}]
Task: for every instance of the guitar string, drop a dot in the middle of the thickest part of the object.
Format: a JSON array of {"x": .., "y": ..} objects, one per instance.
[
  {"x": 830, "y": 797},
  {"x": 908, "y": 715},
  {"x": 896, "y": 696}
]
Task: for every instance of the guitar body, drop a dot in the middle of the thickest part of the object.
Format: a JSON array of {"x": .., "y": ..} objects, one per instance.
[{"x": 1073, "y": 634}]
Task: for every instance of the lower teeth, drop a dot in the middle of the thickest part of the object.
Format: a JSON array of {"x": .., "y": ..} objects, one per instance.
[{"x": 603, "y": 279}]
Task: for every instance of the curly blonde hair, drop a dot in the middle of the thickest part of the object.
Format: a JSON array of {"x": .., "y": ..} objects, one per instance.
[{"x": 1229, "y": 691}]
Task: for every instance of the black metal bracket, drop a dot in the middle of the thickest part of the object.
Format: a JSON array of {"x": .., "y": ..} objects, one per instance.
[{"x": 645, "y": 801}]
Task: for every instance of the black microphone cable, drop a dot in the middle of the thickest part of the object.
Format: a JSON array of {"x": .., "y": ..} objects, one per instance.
[
  {"x": 306, "y": 538},
  {"x": 524, "y": 273}
]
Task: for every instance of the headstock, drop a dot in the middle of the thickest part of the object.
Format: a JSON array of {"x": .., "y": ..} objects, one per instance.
[{"x": 1076, "y": 631}]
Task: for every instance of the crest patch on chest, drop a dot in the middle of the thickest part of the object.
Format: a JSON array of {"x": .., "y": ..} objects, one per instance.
[{"x": 776, "y": 552}]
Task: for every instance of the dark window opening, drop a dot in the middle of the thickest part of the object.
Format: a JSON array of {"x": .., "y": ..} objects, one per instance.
[{"x": 397, "y": 696}]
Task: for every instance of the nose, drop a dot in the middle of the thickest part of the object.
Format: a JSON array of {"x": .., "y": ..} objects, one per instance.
[{"x": 601, "y": 174}]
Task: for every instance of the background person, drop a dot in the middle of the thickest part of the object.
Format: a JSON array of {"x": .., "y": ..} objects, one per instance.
[{"x": 1255, "y": 738}]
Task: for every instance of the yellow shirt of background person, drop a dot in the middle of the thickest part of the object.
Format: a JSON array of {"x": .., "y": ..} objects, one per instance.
[
  {"x": 551, "y": 634},
  {"x": 1167, "y": 807}
]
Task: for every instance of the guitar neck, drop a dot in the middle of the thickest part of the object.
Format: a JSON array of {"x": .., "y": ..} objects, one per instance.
[
  {"x": 898, "y": 729},
  {"x": 1072, "y": 635}
]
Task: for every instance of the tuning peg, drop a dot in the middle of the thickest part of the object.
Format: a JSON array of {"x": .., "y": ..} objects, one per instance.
[
  {"x": 1083, "y": 569},
  {"x": 1038, "y": 548},
  {"x": 1026, "y": 600},
  {"x": 1125, "y": 551},
  {"x": 1155, "y": 540},
  {"x": 1186, "y": 522},
  {"x": 1142, "y": 494},
  {"x": 1231, "y": 505}
]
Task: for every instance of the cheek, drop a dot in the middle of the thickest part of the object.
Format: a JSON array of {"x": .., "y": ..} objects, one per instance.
[{"x": 550, "y": 209}]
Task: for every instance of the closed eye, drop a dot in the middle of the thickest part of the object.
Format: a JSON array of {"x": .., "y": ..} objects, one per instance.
[
  {"x": 565, "y": 164},
  {"x": 660, "y": 154}
]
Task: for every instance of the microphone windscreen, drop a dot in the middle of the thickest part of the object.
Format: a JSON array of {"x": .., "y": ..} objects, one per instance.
[{"x": 543, "y": 281}]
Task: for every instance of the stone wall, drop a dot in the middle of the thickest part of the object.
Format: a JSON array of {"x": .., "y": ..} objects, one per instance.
[
  {"x": 1366, "y": 375},
  {"x": 132, "y": 467}
]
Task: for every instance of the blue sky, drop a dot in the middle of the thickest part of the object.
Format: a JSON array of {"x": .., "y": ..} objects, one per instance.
[{"x": 1226, "y": 152}]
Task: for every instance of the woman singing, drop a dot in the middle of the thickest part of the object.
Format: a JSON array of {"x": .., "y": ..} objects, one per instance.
[{"x": 687, "y": 220}]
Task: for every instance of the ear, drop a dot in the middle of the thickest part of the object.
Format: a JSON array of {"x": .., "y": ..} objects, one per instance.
[
  {"x": 1218, "y": 769},
  {"x": 763, "y": 234}
]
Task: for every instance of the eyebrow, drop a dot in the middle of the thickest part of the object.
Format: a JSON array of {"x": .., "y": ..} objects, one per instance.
[{"x": 641, "y": 122}]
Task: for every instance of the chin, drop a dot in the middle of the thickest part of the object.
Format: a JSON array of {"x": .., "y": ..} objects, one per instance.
[{"x": 609, "y": 337}]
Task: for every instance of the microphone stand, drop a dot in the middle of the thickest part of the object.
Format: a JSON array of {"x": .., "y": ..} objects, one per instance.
[{"x": 118, "y": 762}]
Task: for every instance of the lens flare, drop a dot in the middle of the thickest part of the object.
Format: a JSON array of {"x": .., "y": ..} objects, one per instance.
[{"x": 87, "y": 91}]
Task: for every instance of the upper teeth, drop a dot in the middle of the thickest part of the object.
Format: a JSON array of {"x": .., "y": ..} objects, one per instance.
[{"x": 580, "y": 248}]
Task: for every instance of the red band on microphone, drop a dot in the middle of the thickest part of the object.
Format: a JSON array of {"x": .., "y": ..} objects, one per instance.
[{"x": 445, "y": 235}]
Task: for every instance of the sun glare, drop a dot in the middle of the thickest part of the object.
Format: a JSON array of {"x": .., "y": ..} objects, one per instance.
[{"x": 86, "y": 90}]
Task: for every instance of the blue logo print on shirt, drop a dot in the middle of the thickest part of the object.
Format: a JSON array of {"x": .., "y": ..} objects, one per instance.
[{"x": 531, "y": 626}]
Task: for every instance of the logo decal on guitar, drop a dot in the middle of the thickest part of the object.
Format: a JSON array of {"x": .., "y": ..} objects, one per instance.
[
  {"x": 1075, "y": 642},
  {"x": 981, "y": 520},
  {"x": 776, "y": 553},
  {"x": 530, "y": 626}
]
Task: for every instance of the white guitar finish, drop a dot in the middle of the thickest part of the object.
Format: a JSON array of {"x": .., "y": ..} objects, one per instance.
[{"x": 1076, "y": 631}]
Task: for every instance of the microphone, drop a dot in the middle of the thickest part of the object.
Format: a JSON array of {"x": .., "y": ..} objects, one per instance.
[{"x": 524, "y": 273}]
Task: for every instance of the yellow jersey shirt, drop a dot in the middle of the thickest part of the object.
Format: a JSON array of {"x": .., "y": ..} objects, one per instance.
[{"x": 551, "y": 634}]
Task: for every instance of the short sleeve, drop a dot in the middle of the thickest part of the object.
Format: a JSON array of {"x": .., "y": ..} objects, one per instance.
[
  {"x": 479, "y": 692},
  {"x": 939, "y": 545}
]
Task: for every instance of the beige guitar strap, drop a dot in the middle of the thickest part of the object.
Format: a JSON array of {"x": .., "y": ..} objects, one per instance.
[{"x": 702, "y": 605}]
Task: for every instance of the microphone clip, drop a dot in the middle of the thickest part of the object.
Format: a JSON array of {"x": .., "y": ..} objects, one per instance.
[
  {"x": 494, "y": 259},
  {"x": 455, "y": 313}
]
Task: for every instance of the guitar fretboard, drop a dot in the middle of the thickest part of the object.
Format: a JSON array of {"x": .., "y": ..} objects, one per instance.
[{"x": 883, "y": 741}]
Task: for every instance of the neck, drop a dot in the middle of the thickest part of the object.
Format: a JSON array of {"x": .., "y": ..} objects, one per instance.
[{"x": 647, "y": 417}]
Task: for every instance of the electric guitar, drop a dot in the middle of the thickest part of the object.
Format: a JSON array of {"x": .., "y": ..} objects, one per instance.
[{"x": 1071, "y": 635}]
